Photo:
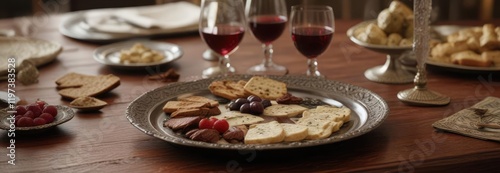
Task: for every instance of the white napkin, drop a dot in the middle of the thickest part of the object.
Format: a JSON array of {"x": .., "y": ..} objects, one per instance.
[{"x": 140, "y": 19}]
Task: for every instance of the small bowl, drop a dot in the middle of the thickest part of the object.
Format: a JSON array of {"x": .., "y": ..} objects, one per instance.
[{"x": 64, "y": 114}]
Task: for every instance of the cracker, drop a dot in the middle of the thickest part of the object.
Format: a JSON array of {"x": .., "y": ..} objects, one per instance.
[
  {"x": 265, "y": 88},
  {"x": 74, "y": 85}
]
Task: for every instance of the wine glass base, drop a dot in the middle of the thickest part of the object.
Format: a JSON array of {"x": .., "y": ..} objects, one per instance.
[
  {"x": 382, "y": 75},
  {"x": 209, "y": 55},
  {"x": 422, "y": 97},
  {"x": 216, "y": 71},
  {"x": 273, "y": 69}
]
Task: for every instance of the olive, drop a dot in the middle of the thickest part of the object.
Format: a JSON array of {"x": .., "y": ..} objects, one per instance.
[
  {"x": 266, "y": 103},
  {"x": 256, "y": 108},
  {"x": 253, "y": 98},
  {"x": 245, "y": 108}
]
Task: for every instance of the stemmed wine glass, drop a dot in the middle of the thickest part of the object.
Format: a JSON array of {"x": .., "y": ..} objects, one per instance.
[
  {"x": 312, "y": 29},
  {"x": 222, "y": 26},
  {"x": 266, "y": 19}
]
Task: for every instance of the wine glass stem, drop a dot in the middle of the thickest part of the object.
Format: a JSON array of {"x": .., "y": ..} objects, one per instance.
[
  {"x": 312, "y": 67},
  {"x": 224, "y": 64},
  {"x": 268, "y": 55}
]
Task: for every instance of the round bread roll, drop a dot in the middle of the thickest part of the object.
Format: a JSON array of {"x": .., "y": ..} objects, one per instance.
[
  {"x": 401, "y": 8},
  {"x": 375, "y": 35},
  {"x": 390, "y": 22}
]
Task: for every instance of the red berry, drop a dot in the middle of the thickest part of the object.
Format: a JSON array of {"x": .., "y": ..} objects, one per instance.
[
  {"x": 48, "y": 118},
  {"x": 18, "y": 117},
  {"x": 29, "y": 114},
  {"x": 221, "y": 125},
  {"x": 205, "y": 124},
  {"x": 52, "y": 110},
  {"x": 20, "y": 110},
  {"x": 35, "y": 109},
  {"x": 41, "y": 104},
  {"x": 25, "y": 122},
  {"x": 39, "y": 121}
]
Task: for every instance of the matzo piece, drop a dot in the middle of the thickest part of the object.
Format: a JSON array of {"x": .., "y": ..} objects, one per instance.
[
  {"x": 76, "y": 85},
  {"x": 265, "y": 88}
]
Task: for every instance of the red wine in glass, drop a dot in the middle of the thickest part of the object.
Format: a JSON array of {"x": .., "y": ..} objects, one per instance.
[
  {"x": 267, "y": 28},
  {"x": 224, "y": 38},
  {"x": 312, "y": 41}
]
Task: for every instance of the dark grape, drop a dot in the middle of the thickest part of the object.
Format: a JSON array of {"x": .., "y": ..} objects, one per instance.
[
  {"x": 233, "y": 106},
  {"x": 241, "y": 101},
  {"x": 52, "y": 110},
  {"x": 245, "y": 108},
  {"x": 254, "y": 98},
  {"x": 266, "y": 103},
  {"x": 256, "y": 108}
]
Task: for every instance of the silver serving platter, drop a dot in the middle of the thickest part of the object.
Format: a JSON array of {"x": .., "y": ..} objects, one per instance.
[
  {"x": 110, "y": 54},
  {"x": 64, "y": 114},
  {"x": 74, "y": 26},
  {"x": 368, "y": 109}
]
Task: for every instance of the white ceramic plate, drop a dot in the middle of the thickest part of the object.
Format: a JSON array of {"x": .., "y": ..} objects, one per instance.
[
  {"x": 368, "y": 109},
  {"x": 110, "y": 54},
  {"x": 74, "y": 26}
]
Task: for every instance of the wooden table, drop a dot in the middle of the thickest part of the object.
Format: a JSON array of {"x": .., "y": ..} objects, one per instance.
[{"x": 106, "y": 141}]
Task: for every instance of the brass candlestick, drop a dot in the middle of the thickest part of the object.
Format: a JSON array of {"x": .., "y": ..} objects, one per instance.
[{"x": 420, "y": 95}]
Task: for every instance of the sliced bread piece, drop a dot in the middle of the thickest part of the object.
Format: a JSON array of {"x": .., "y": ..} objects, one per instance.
[
  {"x": 265, "y": 133},
  {"x": 265, "y": 88},
  {"x": 281, "y": 110},
  {"x": 294, "y": 132},
  {"x": 316, "y": 127},
  {"x": 329, "y": 112},
  {"x": 227, "y": 89}
]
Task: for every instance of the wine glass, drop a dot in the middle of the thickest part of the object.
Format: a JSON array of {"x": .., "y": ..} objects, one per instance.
[
  {"x": 266, "y": 19},
  {"x": 222, "y": 26},
  {"x": 312, "y": 29}
]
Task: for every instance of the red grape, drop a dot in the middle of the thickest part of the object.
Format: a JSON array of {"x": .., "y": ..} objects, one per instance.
[
  {"x": 205, "y": 124},
  {"x": 29, "y": 114},
  {"x": 48, "y": 118},
  {"x": 39, "y": 121},
  {"x": 35, "y": 109},
  {"x": 25, "y": 122},
  {"x": 52, "y": 110},
  {"x": 41, "y": 104},
  {"x": 221, "y": 125},
  {"x": 20, "y": 110}
]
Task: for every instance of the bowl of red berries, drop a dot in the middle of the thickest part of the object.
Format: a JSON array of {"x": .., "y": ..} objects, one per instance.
[{"x": 35, "y": 116}]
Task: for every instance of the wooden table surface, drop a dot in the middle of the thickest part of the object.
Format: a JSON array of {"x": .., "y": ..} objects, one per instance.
[{"x": 106, "y": 141}]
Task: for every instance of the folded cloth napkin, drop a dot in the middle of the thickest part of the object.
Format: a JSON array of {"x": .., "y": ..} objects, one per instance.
[
  {"x": 137, "y": 19},
  {"x": 480, "y": 121}
]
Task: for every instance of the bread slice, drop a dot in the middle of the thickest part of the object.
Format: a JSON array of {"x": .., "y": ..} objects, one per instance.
[
  {"x": 316, "y": 127},
  {"x": 265, "y": 88},
  {"x": 265, "y": 133},
  {"x": 211, "y": 103},
  {"x": 235, "y": 118},
  {"x": 294, "y": 132},
  {"x": 172, "y": 106},
  {"x": 281, "y": 110},
  {"x": 74, "y": 85}
]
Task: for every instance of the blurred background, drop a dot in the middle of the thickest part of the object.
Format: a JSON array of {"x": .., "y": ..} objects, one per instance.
[{"x": 344, "y": 9}]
